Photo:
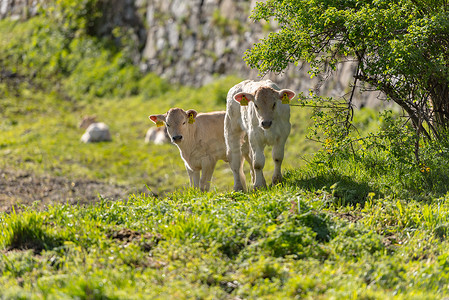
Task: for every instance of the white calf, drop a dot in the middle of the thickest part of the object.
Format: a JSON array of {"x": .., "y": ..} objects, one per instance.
[
  {"x": 95, "y": 131},
  {"x": 200, "y": 140},
  {"x": 158, "y": 136},
  {"x": 257, "y": 113}
]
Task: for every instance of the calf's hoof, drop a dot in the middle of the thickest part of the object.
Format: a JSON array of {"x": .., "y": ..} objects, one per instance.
[
  {"x": 276, "y": 179},
  {"x": 260, "y": 186},
  {"x": 239, "y": 188}
]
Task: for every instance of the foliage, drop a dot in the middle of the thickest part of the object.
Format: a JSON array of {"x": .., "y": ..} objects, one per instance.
[
  {"x": 371, "y": 151},
  {"x": 83, "y": 66},
  {"x": 401, "y": 162},
  {"x": 74, "y": 18},
  {"x": 401, "y": 49}
]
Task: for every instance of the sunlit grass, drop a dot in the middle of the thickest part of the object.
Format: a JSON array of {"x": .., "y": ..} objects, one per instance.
[
  {"x": 41, "y": 135},
  {"x": 281, "y": 242}
]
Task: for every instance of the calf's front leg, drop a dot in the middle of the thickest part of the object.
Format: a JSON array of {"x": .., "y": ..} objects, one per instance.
[
  {"x": 247, "y": 156},
  {"x": 207, "y": 169},
  {"x": 258, "y": 158},
  {"x": 278, "y": 157},
  {"x": 194, "y": 177}
]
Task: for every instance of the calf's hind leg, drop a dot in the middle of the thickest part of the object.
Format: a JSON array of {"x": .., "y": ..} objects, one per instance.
[{"x": 235, "y": 162}]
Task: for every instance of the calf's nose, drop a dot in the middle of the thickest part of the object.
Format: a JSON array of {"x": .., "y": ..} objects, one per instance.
[
  {"x": 266, "y": 124},
  {"x": 177, "y": 138}
]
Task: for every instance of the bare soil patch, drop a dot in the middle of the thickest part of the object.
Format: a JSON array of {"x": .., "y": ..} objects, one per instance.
[
  {"x": 19, "y": 188},
  {"x": 147, "y": 241}
]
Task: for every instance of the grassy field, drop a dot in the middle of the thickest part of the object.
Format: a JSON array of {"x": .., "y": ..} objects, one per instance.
[
  {"x": 284, "y": 242},
  {"x": 40, "y": 134},
  {"x": 39, "y": 128},
  {"x": 360, "y": 224}
]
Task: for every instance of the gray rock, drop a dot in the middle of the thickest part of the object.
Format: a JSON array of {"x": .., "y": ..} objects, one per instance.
[
  {"x": 173, "y": 34},
  {"x": 188, "y": 47},
  {"x": 179, "y": 9}
]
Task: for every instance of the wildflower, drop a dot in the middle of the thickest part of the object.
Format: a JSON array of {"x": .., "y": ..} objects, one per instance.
[{"x": 424, "y": 169}]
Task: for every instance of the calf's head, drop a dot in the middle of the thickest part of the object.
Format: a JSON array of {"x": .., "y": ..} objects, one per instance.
[
  {"x": 265, "y": 101},
  {"x": 177, "y": 122},
  {"x": 86, "y": 121}
]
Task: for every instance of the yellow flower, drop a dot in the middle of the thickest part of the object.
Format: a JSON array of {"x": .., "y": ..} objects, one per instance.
[{"x": 425, "y": 169}]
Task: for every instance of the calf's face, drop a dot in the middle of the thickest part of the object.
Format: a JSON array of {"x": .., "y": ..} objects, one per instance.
[
  {"x": 265, "y": 100},
  {"x": 86, "y": 121},
  {"x": 177, "y": 121}
]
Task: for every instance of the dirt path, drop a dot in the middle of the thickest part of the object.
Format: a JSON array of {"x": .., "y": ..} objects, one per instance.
[{"x": 22, "y": 188}]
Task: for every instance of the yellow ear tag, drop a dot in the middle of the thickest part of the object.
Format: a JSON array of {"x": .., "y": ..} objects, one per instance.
[
  {"x": 285, "y": 99},
  {"x": 244, "y": 101},
  {"x": 159, "y": 123},
  {"x": 191, "y": 119}
]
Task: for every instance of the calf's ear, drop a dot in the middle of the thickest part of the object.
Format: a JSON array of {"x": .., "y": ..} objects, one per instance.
[
  {"x": 243, "y": 98},
  {"x": 191, "y": 114},
  {"x": 286, "y": 95},
  {"x": 158, "y": 119}
]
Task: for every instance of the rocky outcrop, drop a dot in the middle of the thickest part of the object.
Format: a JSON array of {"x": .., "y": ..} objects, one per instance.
[
  {"x": 18, "y": 9},
  {"x": 194, "y": 41}
]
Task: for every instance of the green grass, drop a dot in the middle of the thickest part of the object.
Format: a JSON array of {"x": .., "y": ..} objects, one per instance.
[
  {"x": 41, "y": 111},
  {"x": 278, "y": 243},
  {"x": 40, "y": 134}
]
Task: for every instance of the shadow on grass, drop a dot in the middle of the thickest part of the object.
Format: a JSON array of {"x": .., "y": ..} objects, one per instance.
[
  {"x": 342, "y": 190},
  {"x": 36, "y": 240},
  {"x": 28, "y": 232}
]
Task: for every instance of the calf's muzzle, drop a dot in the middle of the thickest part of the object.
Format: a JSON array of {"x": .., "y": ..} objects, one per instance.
[
  {"x": 266, "y": 124},
  {"x": 176, "y": 138}
]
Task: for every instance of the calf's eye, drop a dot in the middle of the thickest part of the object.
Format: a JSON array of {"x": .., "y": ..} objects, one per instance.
[
  {"x": 184, "y": 123},
  {"x": 274, "y": 105}
]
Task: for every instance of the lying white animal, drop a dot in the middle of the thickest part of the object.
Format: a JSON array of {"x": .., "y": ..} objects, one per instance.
[{"x": 95, "y": 131}]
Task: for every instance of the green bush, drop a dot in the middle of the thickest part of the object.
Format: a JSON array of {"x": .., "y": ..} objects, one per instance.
[
  {"x": 392, "y": 159},
  {"x": 101, "y": 74}
]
